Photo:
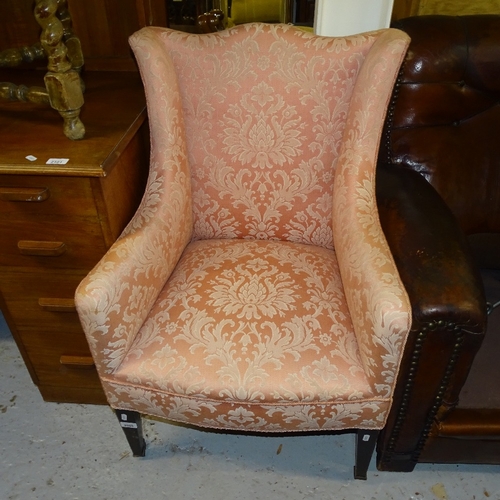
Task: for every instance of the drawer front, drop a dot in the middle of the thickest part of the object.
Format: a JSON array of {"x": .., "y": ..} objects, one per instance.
[
  {"x": 77, "y": 244},
  {"x": 42, "y": 307},
  {"x": 27, "y": 198},
  {"x": 41, "y": 300},
  {"x": 60, "y": 358}
]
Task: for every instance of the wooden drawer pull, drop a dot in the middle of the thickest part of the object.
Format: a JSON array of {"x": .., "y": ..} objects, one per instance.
[
  {"x": 76, "y": 361},
  {"x": 24, "y": 194},
  {"x": 41, "y": 248},
  {"x": 57, "y": 305}
]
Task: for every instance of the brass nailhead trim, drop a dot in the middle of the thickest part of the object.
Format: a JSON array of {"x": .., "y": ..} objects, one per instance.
[{"x": 408, "y": 389}]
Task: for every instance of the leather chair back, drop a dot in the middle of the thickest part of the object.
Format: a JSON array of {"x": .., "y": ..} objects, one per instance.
[{"x": 444, "y": 121}]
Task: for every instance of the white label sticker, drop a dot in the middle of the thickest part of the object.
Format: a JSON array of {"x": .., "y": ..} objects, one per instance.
[
  {"x": 57, "y": 161},
  {"x": 128, "y": 425},
  {"x": 31, "y": 158},
  {"x": 366, "y": 437}
]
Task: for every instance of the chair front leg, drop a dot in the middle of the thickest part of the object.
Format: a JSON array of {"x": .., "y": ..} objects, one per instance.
[
  {"x": 365, "y": 445},
  {"x": 131, "y": 424}
]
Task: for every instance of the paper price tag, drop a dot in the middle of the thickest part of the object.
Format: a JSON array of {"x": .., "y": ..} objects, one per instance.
[
  {"x": 128, "y": 425},
  {"x": 57, "y": 161}
]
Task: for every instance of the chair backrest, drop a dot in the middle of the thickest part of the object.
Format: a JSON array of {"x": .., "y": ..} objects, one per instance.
[
  {"x": 265, "y": 108},
  {"x": 444, "y": 121}
]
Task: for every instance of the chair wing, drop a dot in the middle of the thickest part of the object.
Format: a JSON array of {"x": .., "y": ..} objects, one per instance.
[
  {"x": 127, "y": 281},
  {"x": 378, "y": 303}
]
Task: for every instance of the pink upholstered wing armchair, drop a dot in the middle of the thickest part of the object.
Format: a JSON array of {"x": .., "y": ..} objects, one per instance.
[{"x": 254, "y": 289}]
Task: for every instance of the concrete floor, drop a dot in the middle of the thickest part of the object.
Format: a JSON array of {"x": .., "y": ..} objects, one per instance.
[{"x": 62, "y": 451}]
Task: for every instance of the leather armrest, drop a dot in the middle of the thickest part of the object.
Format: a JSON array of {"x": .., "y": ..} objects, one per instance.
[
  {"x": 431, "y": 252},
  {"x": 448, "y": 310}
]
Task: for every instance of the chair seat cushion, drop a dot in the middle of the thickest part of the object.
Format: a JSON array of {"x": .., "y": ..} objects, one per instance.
[{"x": 250, "y": 335}]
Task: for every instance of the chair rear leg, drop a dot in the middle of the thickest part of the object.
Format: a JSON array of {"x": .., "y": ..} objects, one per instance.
[
  {"x": 365, "y": 444},
  {"x": 131, "y": 424}
]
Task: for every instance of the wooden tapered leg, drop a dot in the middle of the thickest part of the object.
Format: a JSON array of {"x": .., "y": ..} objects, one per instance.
[
  {"x": 131, "y": 424},
  {"x": 365, "y": 444}
]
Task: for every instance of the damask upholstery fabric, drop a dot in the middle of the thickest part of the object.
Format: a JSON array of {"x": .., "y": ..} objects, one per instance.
[
  {"x": 254, "y": 288},
  {"x": 268, "y": 121}
]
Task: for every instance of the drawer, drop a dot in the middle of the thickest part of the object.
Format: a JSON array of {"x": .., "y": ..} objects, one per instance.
[
  {"x": 23, "y": 288},
  {"x": 81, "y": 395},
  {"x": 41, "y": 300},
  {"x": 77, "y": 244},
  {"x": 42, "y": 307},
  {"x": 60, "y": 358},
  {"x": 34, "y": 197}
]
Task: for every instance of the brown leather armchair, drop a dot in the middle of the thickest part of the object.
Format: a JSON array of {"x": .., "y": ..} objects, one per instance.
[{"x": 439, "y": 200}]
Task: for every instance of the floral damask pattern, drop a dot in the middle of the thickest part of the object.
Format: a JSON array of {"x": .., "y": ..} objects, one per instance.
[
  {"x": 269, "y": 118},
  {"x": 254, "y": 288},
  {"x": 262, "y": 131},
  {"x": 255, "y": 312}
]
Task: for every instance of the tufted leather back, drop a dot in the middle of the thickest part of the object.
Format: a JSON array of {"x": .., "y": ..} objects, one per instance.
[{"x": 444, "y": 120}]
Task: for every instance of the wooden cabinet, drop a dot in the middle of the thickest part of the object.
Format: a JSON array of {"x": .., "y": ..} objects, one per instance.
[
  {"x": 58, "y": 217},
  {"x": 407, "y": 8}
]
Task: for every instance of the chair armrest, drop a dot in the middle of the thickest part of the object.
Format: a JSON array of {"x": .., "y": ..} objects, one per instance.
[
  {"x": 116, "y": 297},
  {"x": 448, "y": 308},
  {"x": 430, "y": 250}
]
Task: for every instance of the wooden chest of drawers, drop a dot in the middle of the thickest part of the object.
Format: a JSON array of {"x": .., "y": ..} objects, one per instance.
[{"x": 57, "y": 220}]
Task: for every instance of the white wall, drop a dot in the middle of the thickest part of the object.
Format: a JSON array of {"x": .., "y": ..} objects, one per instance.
[{"x": 347, "y": 17}]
